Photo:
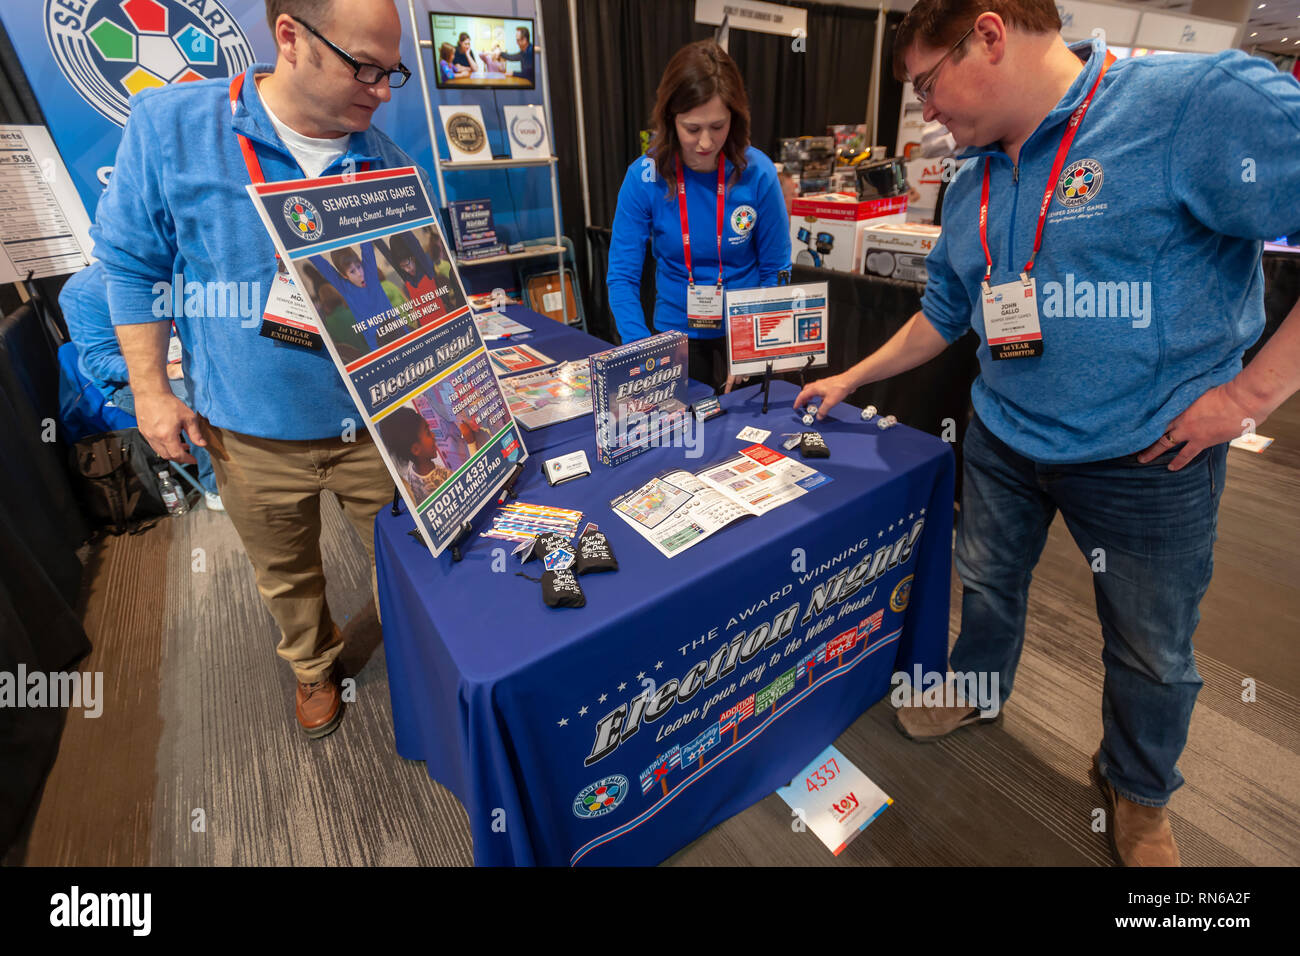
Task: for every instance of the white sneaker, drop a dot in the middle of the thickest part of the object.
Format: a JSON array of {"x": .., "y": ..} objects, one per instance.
[{"x": 213, "y": 501}]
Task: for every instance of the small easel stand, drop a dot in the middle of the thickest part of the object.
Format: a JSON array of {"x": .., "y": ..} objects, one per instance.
[
  {"x": 804, "y": 371},
  {"x": 507, "y": 492},
  {"x": 782, "y": 278},
  {"x": 42, "y": 309}
]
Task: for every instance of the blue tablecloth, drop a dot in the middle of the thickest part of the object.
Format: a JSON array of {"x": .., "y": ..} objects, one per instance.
[{"x": 506, "y": 699}]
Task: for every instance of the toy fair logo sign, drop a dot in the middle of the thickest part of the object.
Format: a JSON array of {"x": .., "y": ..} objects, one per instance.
[{"x": 111, "y": 49}]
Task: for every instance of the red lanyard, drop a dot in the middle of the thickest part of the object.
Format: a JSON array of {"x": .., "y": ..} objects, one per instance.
[
  {"x": 686, "y": 225},
  {"x": 246, "y": 145},
  {"x": 1071, "y": 128}
]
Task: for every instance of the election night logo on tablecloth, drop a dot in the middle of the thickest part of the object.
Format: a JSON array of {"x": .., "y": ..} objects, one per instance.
[
  {"x": 112, "y": 49},
  {"x": 698, "y": 714}
]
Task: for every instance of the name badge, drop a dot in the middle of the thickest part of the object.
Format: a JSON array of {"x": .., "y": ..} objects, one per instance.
[
  {"x": 1011, "y": 319},
  {"x": 287, "y": 316},
  {"x": 704, "y": 307}
]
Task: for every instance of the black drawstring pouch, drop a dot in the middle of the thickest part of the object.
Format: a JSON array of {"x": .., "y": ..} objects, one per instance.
[
  {"x": 561, "y": 589},
  {"x": 595, "y": 554}
]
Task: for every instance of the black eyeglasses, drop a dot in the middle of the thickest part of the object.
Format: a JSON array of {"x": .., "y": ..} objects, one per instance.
[
  {"x": 367, "y": 73},
  {"x": 922, "y": 87}
]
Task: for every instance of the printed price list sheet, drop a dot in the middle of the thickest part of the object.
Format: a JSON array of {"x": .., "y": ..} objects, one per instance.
[{"x": 44, "y": 229}]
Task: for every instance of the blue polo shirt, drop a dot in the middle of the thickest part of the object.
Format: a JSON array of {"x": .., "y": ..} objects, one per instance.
[
  {"x": 755, "y": 240},
  {"x": 177, "y": 204},
  {"x": 1150, "y": 285}
]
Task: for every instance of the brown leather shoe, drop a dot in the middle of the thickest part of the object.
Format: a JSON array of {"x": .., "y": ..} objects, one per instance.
[
  {"x": 925, "y": 724},
  {"x": 1139, "y": 835},
  {"x": 319, "y": 706}
]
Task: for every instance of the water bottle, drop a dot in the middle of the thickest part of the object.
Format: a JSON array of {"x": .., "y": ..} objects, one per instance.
[{"x": 171, "y": 495}]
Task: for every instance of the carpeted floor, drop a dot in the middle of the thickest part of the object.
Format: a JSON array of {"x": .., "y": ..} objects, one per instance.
[{"x": 197, "y": 758}]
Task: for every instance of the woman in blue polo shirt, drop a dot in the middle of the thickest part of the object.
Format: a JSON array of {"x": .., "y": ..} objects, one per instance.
[{"x": 741, "y": 241}]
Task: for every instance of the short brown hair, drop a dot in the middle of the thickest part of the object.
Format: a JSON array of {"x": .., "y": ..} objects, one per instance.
[
  {"x": 940, "y": 23},
  {"x": 316, "y": 12},
  {"x": 697, "y": 73}
]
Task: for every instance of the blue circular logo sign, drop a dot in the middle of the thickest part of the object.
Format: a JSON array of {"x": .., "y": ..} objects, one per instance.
[
  {"x": 112, "y": 49},
  {"x": 600, "y": 798},
  {"x": 303, "y": 218}
]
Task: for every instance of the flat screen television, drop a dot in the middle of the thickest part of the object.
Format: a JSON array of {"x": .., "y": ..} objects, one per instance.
[{"x": 471, "y": 52}]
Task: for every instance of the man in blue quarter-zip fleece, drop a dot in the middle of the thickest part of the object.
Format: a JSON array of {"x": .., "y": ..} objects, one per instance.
[
  {"x": 276, "y": 417},
  {"x": 1114, "y": 289}
]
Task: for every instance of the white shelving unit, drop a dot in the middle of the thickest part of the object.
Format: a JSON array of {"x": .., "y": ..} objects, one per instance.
[{"x": 532, "y": 251}]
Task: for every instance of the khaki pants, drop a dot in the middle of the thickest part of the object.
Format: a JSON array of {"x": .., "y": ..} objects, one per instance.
[{"x": 271, "y": 489}]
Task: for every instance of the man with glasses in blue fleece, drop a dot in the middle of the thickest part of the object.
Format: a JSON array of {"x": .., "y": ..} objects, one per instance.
[
  {"x": 1104, "y": 241},
  {"x": 276, "y": 418}
]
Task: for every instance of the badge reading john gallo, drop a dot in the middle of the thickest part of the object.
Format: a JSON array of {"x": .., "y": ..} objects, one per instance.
[{"x": 467, "y": 132}]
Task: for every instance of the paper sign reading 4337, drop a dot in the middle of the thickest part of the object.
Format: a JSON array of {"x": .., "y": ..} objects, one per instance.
[{"x": 835, "y": 799}]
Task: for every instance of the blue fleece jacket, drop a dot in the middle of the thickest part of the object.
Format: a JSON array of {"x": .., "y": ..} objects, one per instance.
[
  {"x": 1150, "y": 284},
  {"x": 84, "y": 301},
  {"x": 177, "y": 205},
  {"x": 755, "y": 240}
]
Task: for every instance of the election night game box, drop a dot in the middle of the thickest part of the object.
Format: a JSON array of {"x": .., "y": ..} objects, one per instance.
[{"x": 638, "y": 393}]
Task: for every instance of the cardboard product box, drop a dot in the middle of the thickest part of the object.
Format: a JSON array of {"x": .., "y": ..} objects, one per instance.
[
  {"x": 826, "y": 229},
  {"x": 924, "y": 177},
  {"x": 897, "y": 250}
]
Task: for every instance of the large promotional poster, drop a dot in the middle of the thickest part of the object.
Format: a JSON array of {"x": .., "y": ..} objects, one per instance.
[{"x": 367, "y": 254}]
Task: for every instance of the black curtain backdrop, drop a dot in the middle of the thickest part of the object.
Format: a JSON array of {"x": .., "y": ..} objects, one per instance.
[
  {"x": 624, "y": 46},
  {"x": 40, "y": 522}
]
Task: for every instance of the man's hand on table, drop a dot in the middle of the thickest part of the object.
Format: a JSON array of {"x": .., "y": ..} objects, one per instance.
[{"x": 828, "y": 392}]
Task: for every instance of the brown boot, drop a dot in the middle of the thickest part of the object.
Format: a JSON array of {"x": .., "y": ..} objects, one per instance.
[
  {"x": 925, "y": 724},
  {"x": 1139, "y": 835},
  {"x": 319, "y": 706}
]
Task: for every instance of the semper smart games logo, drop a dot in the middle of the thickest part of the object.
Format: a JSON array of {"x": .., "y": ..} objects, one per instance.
[
  {"x": 742, "y": 219},
  {"x": 600, "y": 798},
  {"x": 111, "y": 49},
  {"x": 302, "y": 218},
  {"x": 1079, "y": 183}
]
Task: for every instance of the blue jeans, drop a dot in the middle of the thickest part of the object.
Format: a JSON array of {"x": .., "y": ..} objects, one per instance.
[
  {"x": 1154, "y": 529},
  {"x": 124, "y": 399}
]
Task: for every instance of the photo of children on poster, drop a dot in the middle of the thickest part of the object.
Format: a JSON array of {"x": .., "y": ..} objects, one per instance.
[{"x": 367, "y": 252}]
